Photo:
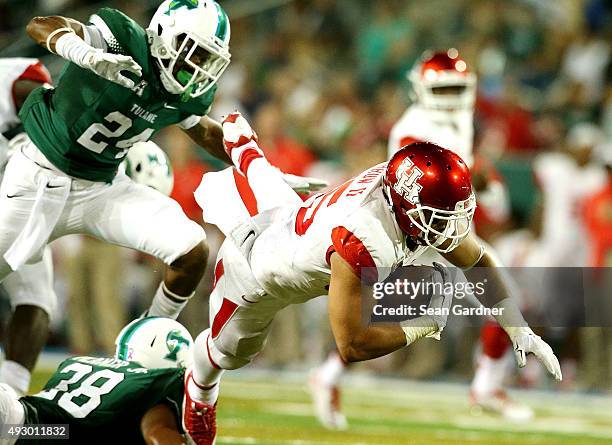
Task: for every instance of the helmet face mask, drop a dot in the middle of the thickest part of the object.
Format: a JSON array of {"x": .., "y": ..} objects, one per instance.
[
  {"x": 441, "y": 81},
  {"x": 191, "y": 46},
  {"x": 443, "y": 230},
  {"x": 430, "y": 194}
]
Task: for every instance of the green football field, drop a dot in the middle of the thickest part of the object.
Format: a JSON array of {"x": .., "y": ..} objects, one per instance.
[{"x": 274, "y": 409}]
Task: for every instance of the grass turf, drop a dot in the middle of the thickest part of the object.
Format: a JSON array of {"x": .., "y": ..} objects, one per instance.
[{"x": 271, "y": 409}]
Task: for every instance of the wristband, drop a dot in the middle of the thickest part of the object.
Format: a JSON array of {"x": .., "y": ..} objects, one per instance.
[
  {"x": 482, "y": 252},
  {"x": 56, "y": 32},
  {"x": 423, "y": 326},
  {"x": 73, "y": 48},
  {"x": 509, "y": 316}
]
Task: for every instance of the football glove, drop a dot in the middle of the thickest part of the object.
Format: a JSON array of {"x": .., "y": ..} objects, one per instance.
[
  {"x": 525, "y": 341},
  {"x": 109, "y": 66}
]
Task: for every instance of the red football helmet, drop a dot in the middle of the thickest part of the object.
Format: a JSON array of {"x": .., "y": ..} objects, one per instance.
[
  {"x": 442, "y": 80},
  {"x": 430, "y": 192}
]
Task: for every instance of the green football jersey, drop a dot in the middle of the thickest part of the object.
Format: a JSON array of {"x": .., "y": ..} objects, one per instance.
[
  {"x": 86, "y": 125},
  {"x": 103, "y": 399}
]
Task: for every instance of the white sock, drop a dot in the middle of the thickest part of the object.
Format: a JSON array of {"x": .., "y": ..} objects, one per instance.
[
  {"x": 489, "y": 375},
  {"x": 16, "y": 376},
  {"x": 332, "y": 370},
  {"x": 203, "y": 386},
  {"x": 167, "y": 304}
]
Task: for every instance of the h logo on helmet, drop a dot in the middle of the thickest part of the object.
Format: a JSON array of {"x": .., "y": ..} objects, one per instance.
[
  {"x": 407, "y": 176},
  {"x": 175, "y": 342},
  {"x": 177, "y": 4}
]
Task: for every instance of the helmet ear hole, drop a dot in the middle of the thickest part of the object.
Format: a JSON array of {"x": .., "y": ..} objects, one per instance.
[
  {"x": 138, "y": 168},
  {"x": 159, "y": 29},
  {"x": 428, "y": 164}
]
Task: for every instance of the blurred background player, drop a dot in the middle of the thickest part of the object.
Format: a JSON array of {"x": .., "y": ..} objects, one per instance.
[
  {"x": 566, "y": 178},
  {"x": 442, "y": 112},
  {"x": 134, "y": 397},
  {"x": 30, "y": 289}
]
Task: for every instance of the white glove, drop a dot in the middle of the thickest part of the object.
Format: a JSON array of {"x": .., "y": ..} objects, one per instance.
[
  {"x": 441, "y": 302},
  {"x": 524, "y": 340},
  {"x": 304, "y": 184},
  {"x": 109, "y": 66}
]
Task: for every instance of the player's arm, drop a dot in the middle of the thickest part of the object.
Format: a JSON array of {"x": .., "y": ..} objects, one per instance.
[
  {"x": 208, "y": 134},
  {"x": 354, "y": 340},
  {"x": 472, "y": 256},
  {"x": 74, "y": 42},
  {"x": 158, "y": 426},
  {"x": 40, "y": 28},
  {"x": 357, "y": 339}
]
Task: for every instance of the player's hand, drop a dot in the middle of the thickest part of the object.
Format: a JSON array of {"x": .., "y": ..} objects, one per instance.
[
  {"x": 237, "y": 132},
  {"x": 304, "y": 184},
  {"x": 110, "y": 66},
  {"x": 441, "y": 302},
  {"x": 525, "y": 341}
]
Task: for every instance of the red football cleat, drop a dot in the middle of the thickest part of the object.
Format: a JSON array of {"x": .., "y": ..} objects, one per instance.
[{"x": 199, "y": 419}]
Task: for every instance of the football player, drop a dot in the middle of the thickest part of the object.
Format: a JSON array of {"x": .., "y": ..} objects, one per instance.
[
  {"x": 280, "y": 251},
  {"x": 442, "y": 112},
  {"x": 134, "y": 397},
  {"x": 31, "y": 287},
  {"x": 120, "y": 86}
]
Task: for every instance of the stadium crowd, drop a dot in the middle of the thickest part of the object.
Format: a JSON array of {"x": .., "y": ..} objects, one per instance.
[{"x": 323, "y": 81}]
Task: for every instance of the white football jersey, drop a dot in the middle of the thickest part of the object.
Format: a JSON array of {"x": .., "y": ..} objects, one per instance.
[
  {"x": 453, "y": 130},
  {"x": 564, "y": 186},
  {"x": 291, "y": 258}
]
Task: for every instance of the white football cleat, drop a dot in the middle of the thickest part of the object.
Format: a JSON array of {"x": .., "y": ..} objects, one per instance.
[
  {"x": 326, "y": 400},
  {"x": 502, "y": 404}
]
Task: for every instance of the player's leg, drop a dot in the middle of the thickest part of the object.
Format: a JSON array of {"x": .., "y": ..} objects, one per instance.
[
  {"x": 324, "y": 383},
  {"x": 138, "y": 217},
  {"x": 487, "y": 390},
  {"x": 17, "y": 198},
  {"x": 32, "y": 296},
  {"x": 240, "y": 315},
  {"x": 267, "y": 182},
  {"x": 11, "y": 413}
]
